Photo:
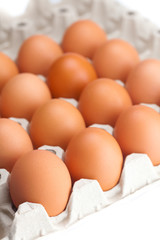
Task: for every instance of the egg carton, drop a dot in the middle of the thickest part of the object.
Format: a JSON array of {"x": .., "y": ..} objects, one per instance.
[{"x": 31, "y": 221}]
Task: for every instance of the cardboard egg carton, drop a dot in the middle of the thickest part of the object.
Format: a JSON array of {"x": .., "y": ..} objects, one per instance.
[{"x": 31, "y": 221}]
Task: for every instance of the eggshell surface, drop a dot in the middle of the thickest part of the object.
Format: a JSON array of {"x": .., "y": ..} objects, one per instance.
[
  {"x": 137, "y": 131},
  {"x": 115, "y": 59},
  {"x": 22, "y": 95},
  {"x": 143, "y": 82},
  {"x": 14, "y": 142},
  {"x": 102, "y": 101},
  {"x": 8, "y": 69},
  {"x": 41, "y": 177},
  {"x": 69, "y": 75},
  {"x": 94, "y": 154},
  {"x": 55, "y": 123},
  {"x": 83, "y": 37},
  {"x": 37, "y": 53}
]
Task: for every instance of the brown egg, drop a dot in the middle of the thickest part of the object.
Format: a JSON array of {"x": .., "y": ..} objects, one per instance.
[
  {"x": 102, "y": 101},
  {"x": 94, "y": 154},
  {"x": 55, "y": 123},
  {"x": 83, "y": 37},
  {"x": 115, "y": 59},
  {"x": 14, "y": 143},
  {"x": 37, "y": 53},
  {"x": 69, "y": 74},
  {"x": 143, "y": 83},
  {"x": 8, "y": 69},
  {"x": 41, "y": 177},
  {"x": 137, "y": 131},
  {"x": 22, "y": 95}
]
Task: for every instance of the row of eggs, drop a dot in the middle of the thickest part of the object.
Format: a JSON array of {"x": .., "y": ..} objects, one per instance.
[{"x": 84, "y": 67}]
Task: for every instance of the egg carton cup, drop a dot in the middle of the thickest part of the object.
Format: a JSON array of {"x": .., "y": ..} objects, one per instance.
[{"x": 30, "y": 220}]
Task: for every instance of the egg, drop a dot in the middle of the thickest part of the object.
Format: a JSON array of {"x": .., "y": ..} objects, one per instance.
[
  {"x": 102, "y": 101},
  {"x": 137, "y": 131},
  {"x": 94, "y": 154},
  {"x": 55, "y": 123},
  {"x": 84, "y": 37},
  {"x": 14, "y": 143},
  {"x": 69, "y": 74},
  {"x": 143, "y": 82},
  {"x": 8, "y": 69},
  {"x": 22, "y": 95},
  {"x": 37, "y": 53},
  {"x": 115, "y": 59},
  {"x": 41, "y": 177}
]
